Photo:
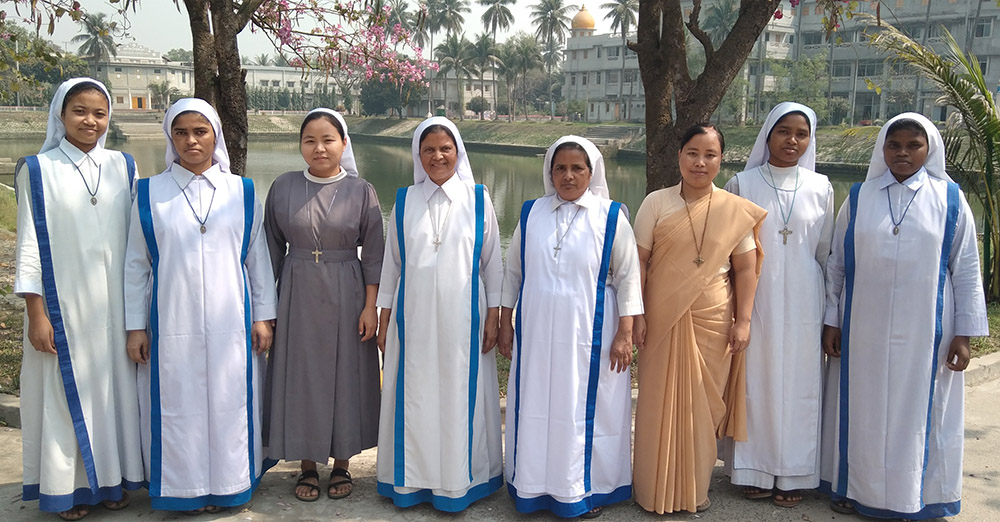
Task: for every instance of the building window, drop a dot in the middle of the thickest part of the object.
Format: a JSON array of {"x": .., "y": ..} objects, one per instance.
[
  {"x": 275, "y": 83},
  {"x": 841, "y": 70},
  {"x": 118, "y": 69},
  {"x": 899, "y": 3},
  {"x": 984, "y": 64},
  {"x": 184, "y": 76},
  {"x": 263, "y": 83},
  {"x": 591, "y": 107},
  {"x": 613, "y": 52},
  {"x": 612, "y": 76},
  {"x": 584, "y": 54},
  {"x": 598, "y": 78},
  {"x": 119, "y": 99},
  {"x": 486, "y": 88},
  {"x": 156, "y": 71},
  {"x": 914, "y": 31},
  {"x": 870, "y": 68},
  {"x": 291, "y": 85},
  {"x": 812, "y": 38},
  {"x": 468, "y": 87},
  {"x": 598, "y": 51},
  {"x": 583, "y": 78},
  {"x": 900, "y": 69},
  {"x": 572, "y": 79},
  {"x": 984, "y": 28}
]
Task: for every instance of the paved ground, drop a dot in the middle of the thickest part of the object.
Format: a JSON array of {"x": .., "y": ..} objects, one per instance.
[{"x": 273, "y": 501}]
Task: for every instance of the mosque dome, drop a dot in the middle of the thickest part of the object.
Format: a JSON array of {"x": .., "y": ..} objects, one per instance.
[{"x": 583, "y": 19}]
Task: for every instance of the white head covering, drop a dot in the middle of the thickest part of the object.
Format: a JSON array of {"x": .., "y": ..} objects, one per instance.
[
  {"x": 934, "y": 163},
  {"x": 760, "y": 152},
  {"x": 220, "y": 155},
  {"x": 598, "y": 177},
  {"x": 347, "y": 161},
  {"x": 462, "y": 166},
  {"x": 55, "y": 131}
]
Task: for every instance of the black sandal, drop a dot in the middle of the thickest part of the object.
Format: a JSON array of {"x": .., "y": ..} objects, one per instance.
[
  {"x": 308, "y": 474},
  {"x": 339, "y": 473}
]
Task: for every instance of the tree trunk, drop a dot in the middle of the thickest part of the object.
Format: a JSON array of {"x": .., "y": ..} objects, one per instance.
[
  {"x": 674, "y": 100},
  {"x": 621, "y": 77},
  {"x": 231, "y": 102},
  {"x": 203, "y": 43}
]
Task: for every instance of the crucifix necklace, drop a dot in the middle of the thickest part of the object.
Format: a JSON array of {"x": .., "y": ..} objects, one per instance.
[
  {"x": 785, "y": 232},
  {"x": 438, "y": 226},
  {"x": 698, "y": 261},
  {"x": 317, "y": 242},
  {"x": 559, "y": 239},
  {"x": 201, "y": 221},
  {"x": 93, "y": 194},
  {"x": 895, "y": 224}
]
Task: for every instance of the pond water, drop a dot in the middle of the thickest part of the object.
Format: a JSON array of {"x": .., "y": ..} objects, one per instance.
[{"x": 511, "y": 179}]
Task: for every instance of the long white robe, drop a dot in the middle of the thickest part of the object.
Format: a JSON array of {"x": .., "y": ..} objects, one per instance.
[
  {"x": 79, "y": 410},
  {"x": 200, "y": 392},
  {"x": 893, "y": 418},
  {"x": 569, "y": 416},
  {"x": 784, "y": 358},
  {"x": 439, "y": 426}
]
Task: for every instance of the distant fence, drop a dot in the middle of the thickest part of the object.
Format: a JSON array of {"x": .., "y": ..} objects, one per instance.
[{"x": 12, "y": 108}]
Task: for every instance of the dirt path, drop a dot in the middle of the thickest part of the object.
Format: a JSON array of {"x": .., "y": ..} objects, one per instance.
[{"x": 11, "y": 317}]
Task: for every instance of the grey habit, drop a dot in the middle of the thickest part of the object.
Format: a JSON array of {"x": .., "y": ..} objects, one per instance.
[{"x": 322, "y": 390}]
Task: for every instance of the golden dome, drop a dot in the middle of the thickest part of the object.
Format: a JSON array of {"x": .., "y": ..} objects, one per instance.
[{"x": 583, "y": 19}]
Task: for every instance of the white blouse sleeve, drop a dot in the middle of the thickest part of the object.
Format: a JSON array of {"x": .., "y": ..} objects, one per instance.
[
  {"x": 263, "y": 297},
  {"x": 391, "y": 265},
  {"x": 28, "y": 274},
  {"x": 966, "y": 279},
  {"x": 138, "y": 270},
  {"x": 490, "y": 260},
  {"x": 835, "y": 267},
  {"x": 512, "y": 270},
  {"x": 625, "y": 269}
]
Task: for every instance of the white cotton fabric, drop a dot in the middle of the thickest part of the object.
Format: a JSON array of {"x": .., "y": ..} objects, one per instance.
[
  {"x": 935, "y": 162},
  {"x": 462, "y": 167},
  {"x": 347, "y": 162},
  {"x": 88, "y": 246},
  {"x": 220, "y": 155},
  {"x": 55, "y": 130},
  {"x": 598, "y": 179},
  {"x": 784, "y": 357},
  {"x": 890, "y": 343}
]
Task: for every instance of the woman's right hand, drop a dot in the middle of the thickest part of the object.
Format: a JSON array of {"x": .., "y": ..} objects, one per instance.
[
  {"x": 41, "y": 335},
  {"x": 639, "y": 331},
  {"x": 831, "y": 340},
  {"x": 138, "y": 346}
]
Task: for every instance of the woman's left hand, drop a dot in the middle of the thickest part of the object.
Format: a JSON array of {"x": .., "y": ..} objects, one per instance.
[
  {"x": 958, "y": 354},
  {"x": 739, "y": 336},
  {"x": 368, "y": 323},
  {"x": 621, "y": 350},
  {"x": 491, "y": 328},
  {"x": 261, "y": 335}
]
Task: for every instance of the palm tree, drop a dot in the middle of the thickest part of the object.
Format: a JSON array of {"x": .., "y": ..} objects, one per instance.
[
  {"x": 622, "y": 14},
  {"x": 552, "y": 22},
  {"x": 263, "y": 60},
  {"x": 507, "y": 66},
  {"x": 399, "y": 13},
  {"x": 551, "y": 56},
  {"x": 451, "y": 12},
  {"x": 719, "y": 20},
  {"x": 454, "y": 56},
  {"x": 496, "y": 16},
  {"x": 96, "y": 42},
  {"x": 483, "y": 55},
  {"x": 527, "y": 57},
  {"x": 161, "y": 93},
  {"x": 433, "y": 21}
]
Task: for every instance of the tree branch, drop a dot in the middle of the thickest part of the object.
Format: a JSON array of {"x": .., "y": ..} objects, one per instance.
[
  {"x": 246, "y": 10},
  {"x": 698, "y": 32}
]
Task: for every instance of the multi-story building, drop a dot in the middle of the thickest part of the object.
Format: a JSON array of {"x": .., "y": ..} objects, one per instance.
[
  {"x": 592, "y": 63},
  {"x": 129, "y": 74}
]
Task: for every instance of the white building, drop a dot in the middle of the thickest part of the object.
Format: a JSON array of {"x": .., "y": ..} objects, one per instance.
[
  {"x": 593, "y": 63},
  {"x": 129, "y": 74}
]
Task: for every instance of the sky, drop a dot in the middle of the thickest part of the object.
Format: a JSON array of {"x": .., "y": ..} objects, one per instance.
[{"x": 161, "y": 27}]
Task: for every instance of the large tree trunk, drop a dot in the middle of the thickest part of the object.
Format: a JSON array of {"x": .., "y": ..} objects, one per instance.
[
  {"x": 203, "y": 43},
  {"x": 674, "y": 100},
  {"x": 231, "y": 102}
]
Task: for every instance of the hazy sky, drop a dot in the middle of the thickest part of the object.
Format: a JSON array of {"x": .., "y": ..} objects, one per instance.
[{"x": 159, "y": 26}]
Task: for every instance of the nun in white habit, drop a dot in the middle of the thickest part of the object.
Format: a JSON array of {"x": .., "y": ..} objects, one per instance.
[
  {"x": 904, "y": 294},
  {"x": 573, "y": 273},
  {"x": 439, "y": 426},
  {"x": 79, "y": 412},
  {"x": 200, "y": 298},
  {"x": 784, "y": 357}
]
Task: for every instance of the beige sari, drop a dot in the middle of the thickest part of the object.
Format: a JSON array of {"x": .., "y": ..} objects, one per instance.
[{"x": 691, "y": 389}]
